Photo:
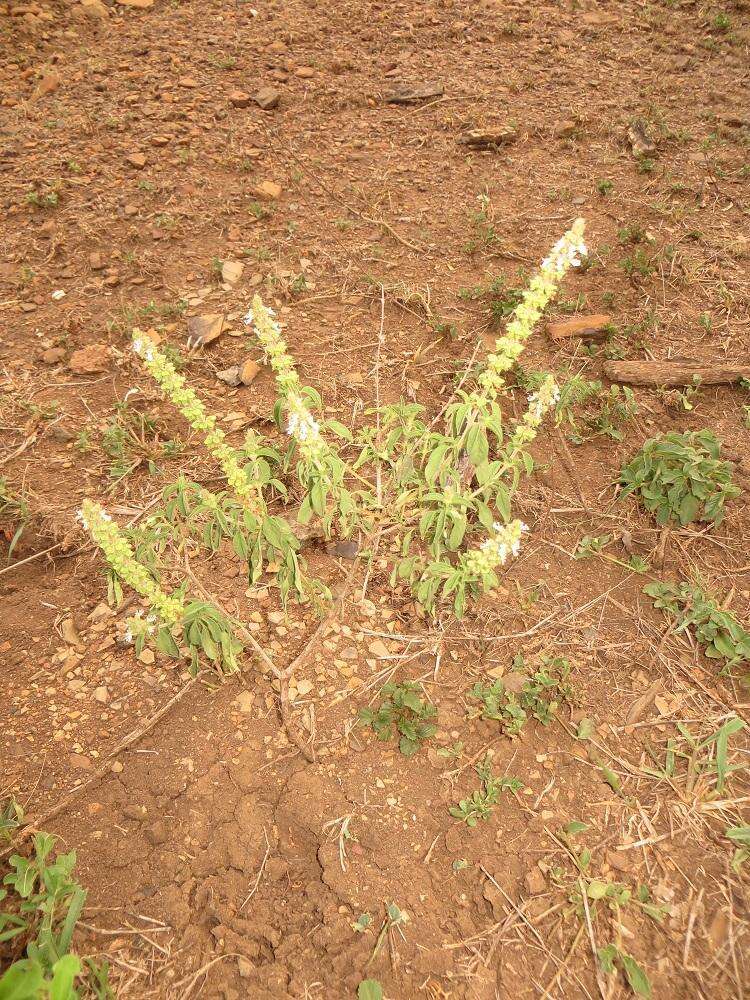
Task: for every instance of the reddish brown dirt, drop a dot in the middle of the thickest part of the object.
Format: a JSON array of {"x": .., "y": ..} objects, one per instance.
[{"x": 210, "y": 849}]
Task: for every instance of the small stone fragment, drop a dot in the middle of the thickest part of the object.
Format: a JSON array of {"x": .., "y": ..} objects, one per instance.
[
  {"x": 239, "y": 99},
  {"x": 89, "y": 360},
  {"x": 231, "y": 271},
  {"x": 249, "y": 371},
  {"x": 535, "y": 881},
  {"x": 137, "y": 160},
  {"x": 490, "y": 138},
  {"x": 101, "y": 694},
  {"x": 157, "y": 833},
  {"x": 267, "y": 98},
  {"x": 204, "y": 329},
  {"x": 269, "y": 190},
  {"x": 304, "y": 72},
  {"x": 244, "y": 702},
  {"x": 80, "y": 762}
]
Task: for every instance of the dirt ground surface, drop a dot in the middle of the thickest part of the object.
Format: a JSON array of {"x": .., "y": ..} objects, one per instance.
[{"x": 142, "y": 184}]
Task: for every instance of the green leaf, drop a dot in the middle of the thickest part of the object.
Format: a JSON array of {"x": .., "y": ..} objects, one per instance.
[
  {"x": 369, "y": 989},
  {"x": 22, "y": 981},
  {"x": 64, "y": 973},
  {"x": 576, "y": 826},
  {"x": 636, "y": 976},
  {"x": 739, "y": 834},
  {"x": 586, "y": 729},
  {"x": 607, "y": 958}
]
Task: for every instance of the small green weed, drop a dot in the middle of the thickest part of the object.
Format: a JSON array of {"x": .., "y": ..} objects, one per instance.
[
  {"x": 637, "y": 264},
  {"x": 694, "y": 758},
  {"x": 482, "y": 801},
  {"x": 715, "y": 628},
  {"x": 540, "y": 696},
  {"x": 126, "y": 440},
  {"x": 604, "y": 187},
  {"x": 17, "y": 509},
  {"x": 680, "y": 477},
  {"x": 44, "y": 904},
  {"x": 739, "y": 835},
  {"x": 404, "y": 709}
]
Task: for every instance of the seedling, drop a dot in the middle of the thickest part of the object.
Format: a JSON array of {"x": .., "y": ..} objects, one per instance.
[
  {"x": 716, "y": 629},
  {"x": 407, "y": 712},
  {"x": 700, "y": 759},
  {"x": 11, "y": 817},
  {"x": 540, "y": 696},
  {"x": 482, "y": 801},
  {"x": 604, "y": 187},
  {"x": 637, "y": 264},
  {"x": 680, "y": 477},
  {"x": 44, "y": 904},
  {"x": 17, "y": 509},
  {"x": 593, "y": 545},
  {"x": 739, "y": 835},
  {"x": 127, "y": 442}
]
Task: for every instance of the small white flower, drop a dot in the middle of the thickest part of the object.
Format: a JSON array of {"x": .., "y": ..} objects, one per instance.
[
  {"x": 80, "y": 516},
  {"x": 144, "y": 348},
  {"x": 248, "y": 318}
]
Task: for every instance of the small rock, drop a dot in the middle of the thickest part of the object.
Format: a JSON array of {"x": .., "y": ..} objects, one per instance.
[
  {"x": 101, "y": 694},
  {"x": 80, "y": 762},
  {"x": 157, "y": 833},
  {"x": 249, "y": 371},
  {"x": 70, "y": 633},
  {"x": 535, "y": 881},
  {"x": 188, "y": 82},
  {"x": 490, "y": 138},
  {"x": 269, "y": 190},
  {"x": 231, "y": 271},
  {"x": 378, "y": 648},
  {"x": 117, "y": 767},
  {"x": 96, "y": 261},
  {"x": 53, "y": 356},
  {"x": 304, "y": 72},
  {"x": 240, "y": 99},
  {"x": 160, "y": 140},
  {"x": 89, "y": 360},
  {"x": 147, "y": 656},
  {"x": 267, "y": 98},
  {"x": 47, "y": 85},
  {"x": 245, "y": 967},
  {"x": 244, "y": 702},
  {"x": 304, "y": 687},
  {"x": 204, "y": 329},
  {"x": 137, "y": 160}
]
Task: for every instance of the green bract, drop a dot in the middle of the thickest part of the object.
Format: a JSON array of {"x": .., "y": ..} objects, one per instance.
[{"x": 680, "y": 477}]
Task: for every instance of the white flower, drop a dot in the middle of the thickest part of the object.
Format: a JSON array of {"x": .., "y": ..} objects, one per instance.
[
  {"x": 144, "y": 348},
  {"x": 248, "y": 318},
  {"x": 302, "y": 426},
  {"x": 80, "y": 516}
]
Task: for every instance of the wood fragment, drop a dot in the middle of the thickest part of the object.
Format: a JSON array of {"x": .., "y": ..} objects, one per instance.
[
  {"x": 483, "y": 138},
  {"x": 674, "y": 373},
  {"x": 595, "y": 327},
  {"x": 420, "y": 92}
]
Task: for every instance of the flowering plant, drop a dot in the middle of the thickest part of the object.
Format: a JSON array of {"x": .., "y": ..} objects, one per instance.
[
  {"x": 204, "y": 629},
  {"x": 320, "y": 469}
]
